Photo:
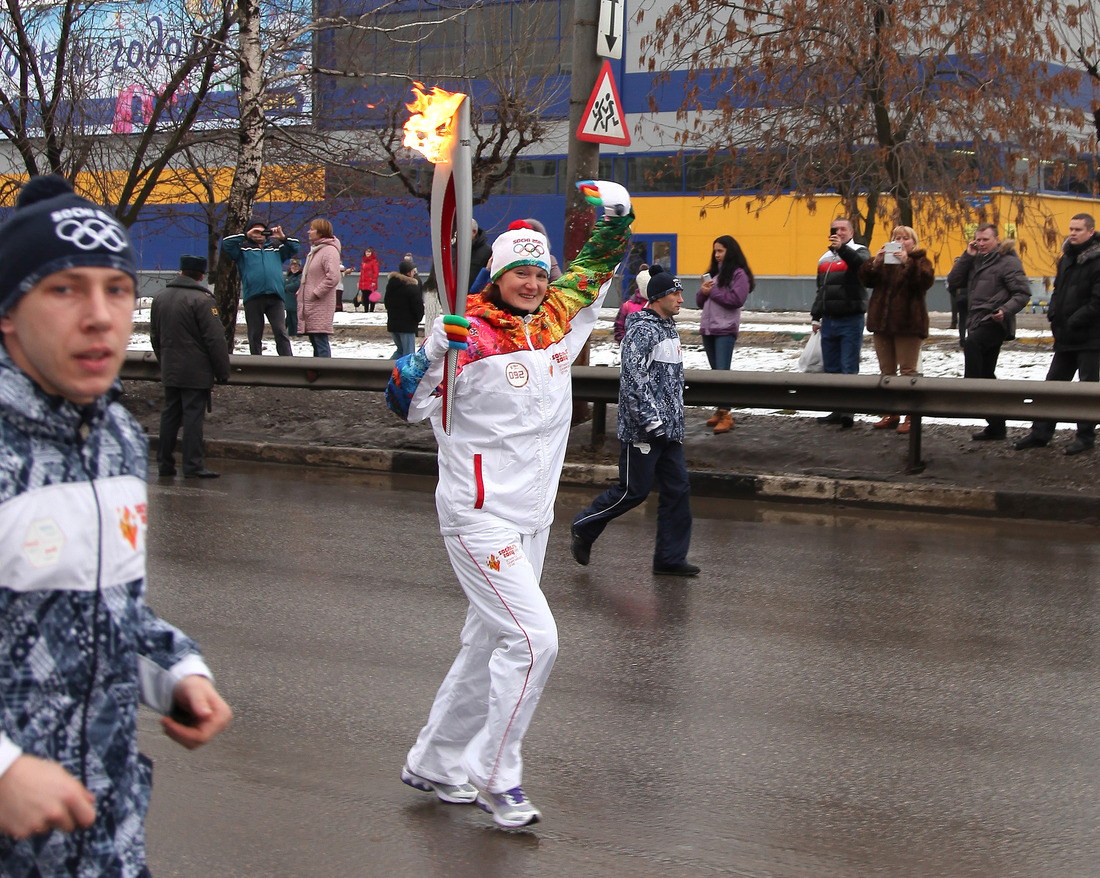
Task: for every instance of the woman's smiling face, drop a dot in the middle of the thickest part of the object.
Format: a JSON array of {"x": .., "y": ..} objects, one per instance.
[{"x": 523, "y": 287}]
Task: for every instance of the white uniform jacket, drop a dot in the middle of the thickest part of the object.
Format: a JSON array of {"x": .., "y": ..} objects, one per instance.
[{"x": 513, "y": 397}]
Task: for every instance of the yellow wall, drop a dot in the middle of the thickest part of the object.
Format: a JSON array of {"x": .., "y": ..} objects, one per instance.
[
  {"x": 181, "y": 186},
  {"x": 786, "y": 239}
]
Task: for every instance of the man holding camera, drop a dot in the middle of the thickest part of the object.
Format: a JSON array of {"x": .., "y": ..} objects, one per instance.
[
  {"x": 259, "y": 255},
  {"x": 839, "y": 307}
]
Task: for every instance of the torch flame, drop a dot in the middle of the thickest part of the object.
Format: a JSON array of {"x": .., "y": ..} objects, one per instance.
[{"x": 430, "y": 127}]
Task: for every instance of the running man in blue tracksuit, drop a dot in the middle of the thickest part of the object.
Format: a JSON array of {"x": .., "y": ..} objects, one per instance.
[{"x": 651, "y": 430}]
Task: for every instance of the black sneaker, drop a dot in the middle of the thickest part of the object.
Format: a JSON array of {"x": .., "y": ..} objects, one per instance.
[
  {"x": 582, "y": 551},
  {"x": 832, "y": 418},
  {"x": 681, "y": 569}
]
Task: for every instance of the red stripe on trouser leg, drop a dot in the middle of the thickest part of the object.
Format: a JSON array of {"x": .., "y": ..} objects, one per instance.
[{"x": 483, "y": 708}]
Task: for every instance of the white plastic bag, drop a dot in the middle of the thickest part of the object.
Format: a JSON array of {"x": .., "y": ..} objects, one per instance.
[{"x": 810, "y": 358}]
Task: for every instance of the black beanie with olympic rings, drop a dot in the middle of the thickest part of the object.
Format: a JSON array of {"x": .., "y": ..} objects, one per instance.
[{"x": 51, "y": 229}]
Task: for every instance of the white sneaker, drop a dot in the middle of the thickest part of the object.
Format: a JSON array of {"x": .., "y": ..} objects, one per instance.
[
  {"x": 510, "y": 809},
  {"x": 454, "y": 794}
]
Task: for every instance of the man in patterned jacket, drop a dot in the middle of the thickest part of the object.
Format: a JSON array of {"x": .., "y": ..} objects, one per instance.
[
  {"x": 651, "y": 430},
  {"x": 78, "y": 646}
]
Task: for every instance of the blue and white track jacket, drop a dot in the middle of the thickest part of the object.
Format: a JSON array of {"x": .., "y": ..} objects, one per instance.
[
  {"x": 78, "y": 646},
  {"x": 651, "y": 378}
]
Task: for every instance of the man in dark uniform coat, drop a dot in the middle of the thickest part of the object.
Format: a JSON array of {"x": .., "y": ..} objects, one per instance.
[{"x": 189, "y": 341}]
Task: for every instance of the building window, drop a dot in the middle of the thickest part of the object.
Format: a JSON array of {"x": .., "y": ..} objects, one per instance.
[
  {"x": 446, "y": 41},
  {"x": 706, "y": 173},
  {"x": 535, "y": 177},
  {"x": 658, "y": 173}
]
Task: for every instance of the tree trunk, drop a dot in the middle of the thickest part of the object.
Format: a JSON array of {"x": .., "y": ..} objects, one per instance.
[{"x": 250, "y": 157}]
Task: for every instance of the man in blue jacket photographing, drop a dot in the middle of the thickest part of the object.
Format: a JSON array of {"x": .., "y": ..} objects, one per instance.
[{"x": 259, "y": 255}]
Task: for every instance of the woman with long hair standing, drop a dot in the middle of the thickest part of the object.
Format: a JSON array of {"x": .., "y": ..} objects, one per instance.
[{"x": 725, "y": 287}]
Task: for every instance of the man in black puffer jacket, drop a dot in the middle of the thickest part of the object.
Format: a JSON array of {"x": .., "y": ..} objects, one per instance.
[
  {"x": 1074, "y": 316},
  {"x": 404, "y": 301}
]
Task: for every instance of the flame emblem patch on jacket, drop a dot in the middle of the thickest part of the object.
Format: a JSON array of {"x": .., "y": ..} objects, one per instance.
[{"x": 130, "y": 522}]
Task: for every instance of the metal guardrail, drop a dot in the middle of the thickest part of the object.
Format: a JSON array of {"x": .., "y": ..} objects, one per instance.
[{"x": 869, "y": 394}]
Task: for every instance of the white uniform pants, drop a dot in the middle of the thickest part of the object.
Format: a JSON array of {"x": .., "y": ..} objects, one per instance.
[{"x": 509, "y": 644}]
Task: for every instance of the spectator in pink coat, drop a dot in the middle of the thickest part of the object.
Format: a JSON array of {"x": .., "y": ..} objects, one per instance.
[
  {"x": 321, "y": 281},
  {"x": 636, "y": 302}
]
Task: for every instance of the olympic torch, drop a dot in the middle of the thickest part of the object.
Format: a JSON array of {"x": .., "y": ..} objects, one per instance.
[{"x": 439, "y": 129}]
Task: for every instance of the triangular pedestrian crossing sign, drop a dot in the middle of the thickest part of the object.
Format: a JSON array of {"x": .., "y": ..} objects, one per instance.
[{"x": 604, "y": 120}]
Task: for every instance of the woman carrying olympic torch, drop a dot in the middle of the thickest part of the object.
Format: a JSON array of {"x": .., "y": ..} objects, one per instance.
[{"x": 498, "y": 479}]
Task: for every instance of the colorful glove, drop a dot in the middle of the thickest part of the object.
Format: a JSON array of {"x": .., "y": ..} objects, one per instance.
[
  {"x": 614, "y": 198},
  {"x": 448, "y": 331},
  {"x": 457, "y": 329}
]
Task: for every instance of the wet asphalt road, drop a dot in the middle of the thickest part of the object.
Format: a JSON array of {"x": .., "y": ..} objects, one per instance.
[{"x": 836, "y": 695}]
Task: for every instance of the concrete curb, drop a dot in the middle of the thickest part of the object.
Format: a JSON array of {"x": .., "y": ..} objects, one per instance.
[{"x": 732, "y": 486}]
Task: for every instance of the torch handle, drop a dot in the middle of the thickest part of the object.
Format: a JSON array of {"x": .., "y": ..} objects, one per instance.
[{"x": 450, "y": 369}]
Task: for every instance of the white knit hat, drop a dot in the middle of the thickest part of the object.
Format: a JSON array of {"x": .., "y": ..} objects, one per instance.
[{"x": 520, "y": 245}]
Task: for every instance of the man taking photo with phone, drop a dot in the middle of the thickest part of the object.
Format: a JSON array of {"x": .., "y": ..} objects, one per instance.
[{"x": 839, "y": 307}]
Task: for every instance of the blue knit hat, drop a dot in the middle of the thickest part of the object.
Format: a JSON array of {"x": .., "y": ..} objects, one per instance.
[
  {"x": 51, "y": 229},
  {"x": 661, "y": 283}
]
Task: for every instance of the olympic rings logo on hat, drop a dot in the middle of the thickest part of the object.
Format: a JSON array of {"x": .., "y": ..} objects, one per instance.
[
  {"x": 91, "y": 234},
  {"x": 528, "y": 248}
]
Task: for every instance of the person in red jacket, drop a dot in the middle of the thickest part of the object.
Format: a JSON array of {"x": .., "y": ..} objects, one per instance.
[{"x": 368, "y": 280}]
